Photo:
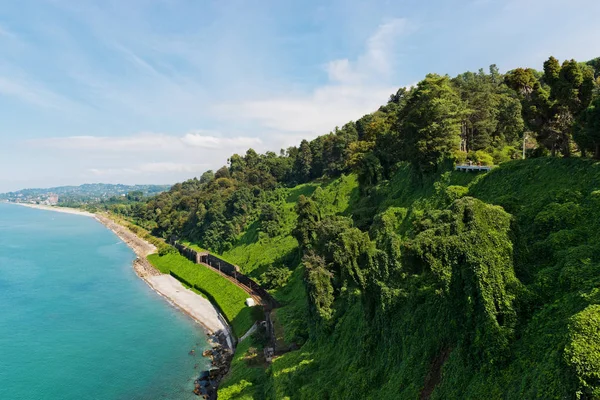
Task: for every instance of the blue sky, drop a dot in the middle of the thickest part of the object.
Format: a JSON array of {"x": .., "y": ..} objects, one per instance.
[{"x": 157, "y": 91}]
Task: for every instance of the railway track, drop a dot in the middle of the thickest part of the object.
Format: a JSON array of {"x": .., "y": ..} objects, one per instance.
[{"x": 257, "y": 299}]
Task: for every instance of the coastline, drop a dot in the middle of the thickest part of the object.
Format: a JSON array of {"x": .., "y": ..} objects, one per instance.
[
  {"x": 64, "y": 210},
  {"x": 201, "y": 310},
  {"x": 195, "y": 306}
]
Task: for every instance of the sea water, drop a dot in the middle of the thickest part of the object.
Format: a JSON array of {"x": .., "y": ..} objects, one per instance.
[{"x": 77, "y": 323}]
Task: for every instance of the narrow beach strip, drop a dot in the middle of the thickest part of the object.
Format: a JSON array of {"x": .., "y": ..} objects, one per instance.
[
  {"x": 201, "y": 310},
  {"x": 197, "y": 307},
  {"x": 64, "y": 210}
]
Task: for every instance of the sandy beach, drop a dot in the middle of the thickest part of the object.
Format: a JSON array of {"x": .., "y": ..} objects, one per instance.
[
  {"x": 197, "y": 307},
  {"x": 57, "y": 209}
]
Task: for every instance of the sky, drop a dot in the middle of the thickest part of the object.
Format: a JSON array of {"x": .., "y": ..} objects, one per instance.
[{"x": 158, "y": 91}]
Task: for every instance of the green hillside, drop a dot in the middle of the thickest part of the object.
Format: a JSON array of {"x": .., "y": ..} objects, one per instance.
[
  {"x": 481, "y": 302},
  {"x": 402, "y": 278}
]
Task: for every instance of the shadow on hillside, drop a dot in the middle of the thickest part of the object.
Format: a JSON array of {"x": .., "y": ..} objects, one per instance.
[
  {"x": 246, "y": 318},
  {"x": 289, "y": 260},
  {"x": 306, "y": 190},
  {"x": 251, "y": 234}
]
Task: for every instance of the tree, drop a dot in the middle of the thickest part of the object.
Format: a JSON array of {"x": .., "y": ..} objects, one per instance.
[
  {"x": 318, "y": 165},
  {"x": 587, "y": 135},
  {"x": 207, "y": 176},
  {"x": 431, "y": 123},
  {"x": 303, "y": 163},
  {"x": 571, "y": 87},
  {"x": 371, "y": 171},
  {"x": 308, "y": 217},
  {"x": 522, "y": 81},
  {"x": 536, "y": 104},
  {"x": 222, "y": 172},
  {"x": 318, "y": 285},
  {"x": 492, "y": 117},
  {"x": 271, "y": 219},
  {"x": 236, "y": 163}
]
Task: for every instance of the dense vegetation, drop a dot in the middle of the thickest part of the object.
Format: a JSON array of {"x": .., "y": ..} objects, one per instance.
[{"x": 402, "y": 278}]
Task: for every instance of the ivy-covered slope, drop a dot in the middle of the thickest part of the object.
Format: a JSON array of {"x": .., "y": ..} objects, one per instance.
[{"x": 456, "y": 286}]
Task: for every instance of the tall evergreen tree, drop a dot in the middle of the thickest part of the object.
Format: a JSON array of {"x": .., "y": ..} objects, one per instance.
[
  {"x": 303, "y": 162},
  {"x": 431, "y": 122}
]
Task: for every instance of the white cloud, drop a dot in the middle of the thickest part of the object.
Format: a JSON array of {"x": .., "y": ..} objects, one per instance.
[
  {"x": 376, "y": 63},
  {"x": 318, "y": 113},
  {"x": 144, "y": 157},
  {"x": 212, "y": 142},
  {"x": 145, "y": 142},
  {"x": 354, "y": 89},
  {"x": 149, "y": 168}
]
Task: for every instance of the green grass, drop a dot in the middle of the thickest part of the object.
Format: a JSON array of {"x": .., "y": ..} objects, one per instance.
[
  {"x": 228, "y": 297},
  {"x": 254, "y": 257},
  {"x": 192, "y": 246}
]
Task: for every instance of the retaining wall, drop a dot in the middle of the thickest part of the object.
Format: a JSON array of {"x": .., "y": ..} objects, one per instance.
[{"x": 225, "y": 267}]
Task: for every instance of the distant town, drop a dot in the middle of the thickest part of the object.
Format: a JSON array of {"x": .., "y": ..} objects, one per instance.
[{"x": 51, "y": 199}]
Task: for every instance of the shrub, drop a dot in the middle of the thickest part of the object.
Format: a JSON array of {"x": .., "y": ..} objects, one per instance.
[
  {"x": 556, "y": 217},
  {"x": 582, "y": 352},
  {"x": 456, "y": 192},
  {"x": 505, "y": 154},
  {"x": 483, "y": 158},
  {"x": 460, "y": 157},
  {"x": 276, "y": 277}
]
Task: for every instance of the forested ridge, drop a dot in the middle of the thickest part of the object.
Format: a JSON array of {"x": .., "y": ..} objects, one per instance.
[{"x": 401, "y": 277}]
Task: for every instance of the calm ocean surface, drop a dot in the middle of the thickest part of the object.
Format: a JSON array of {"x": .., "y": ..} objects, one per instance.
[{"x": 77, "y": 323}]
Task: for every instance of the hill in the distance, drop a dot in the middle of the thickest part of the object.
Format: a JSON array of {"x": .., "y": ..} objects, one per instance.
[{"x": 88, "y": 193}]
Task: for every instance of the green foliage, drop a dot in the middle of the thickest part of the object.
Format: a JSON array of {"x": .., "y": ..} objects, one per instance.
[
  {"x": 582, "y": 352},
  {"x": 319, "y": 286},
  {"x": 587, "y": 133},
  {"x": 308, "y": 217},
  {"x": 276, "y": 277},
  {"x": 493, "y": 112},
  {"x": 303, "y": 164},
  {"x": 245, "y": 378},
  {"x": 400, "y": 277},
  {"x": 271, "y": 219},
  {"x": 483, "y": 158},
  {"x": 466, "y": 284},
  {"x": 506, "y": 153},
  {"x": 431, "y": 123},
  {"x": 468, "y": 251},
  {"x": 455, "y": 192}
]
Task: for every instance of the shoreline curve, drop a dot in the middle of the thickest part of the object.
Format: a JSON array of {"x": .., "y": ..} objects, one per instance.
[{"x": 199, "y": 309}]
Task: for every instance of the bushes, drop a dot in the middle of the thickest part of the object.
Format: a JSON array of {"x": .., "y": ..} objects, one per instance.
[
  {"x": 456, "y": 192},
  {"x": 505, "y": 154},
  {"x": 443, "y": 280},
  {"x": 276, "y": 277},
  {"x": 555, "y": 217},
  {"x": 582, "y": 353},
  {"x": 482, "y": 157},
  {"x": 469, "y": 254}
]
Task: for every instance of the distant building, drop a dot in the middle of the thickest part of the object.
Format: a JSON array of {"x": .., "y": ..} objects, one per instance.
[{"x": 53, "y": 199}]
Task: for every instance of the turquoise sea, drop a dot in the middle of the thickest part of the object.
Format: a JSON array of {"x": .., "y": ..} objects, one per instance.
[{"x": 77, "y": 323}]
